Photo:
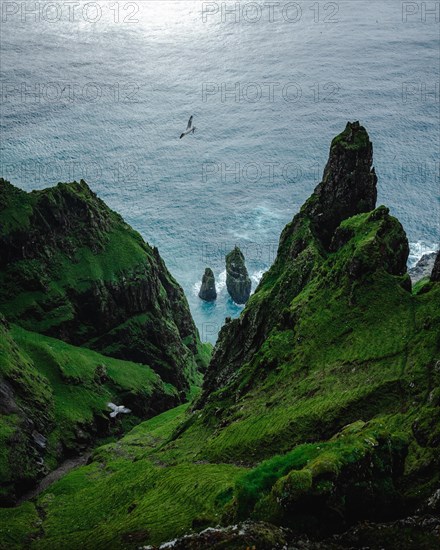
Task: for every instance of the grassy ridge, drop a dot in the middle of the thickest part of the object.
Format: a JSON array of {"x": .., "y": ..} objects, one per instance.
[
  {"x": 336, "y": 415},
  {"x": 72, "y": 268}
]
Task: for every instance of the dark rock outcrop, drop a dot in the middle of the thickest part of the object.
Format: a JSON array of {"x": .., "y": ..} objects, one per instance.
[
  {"x": 435, "y": 275},
  {"x": 72, "y": 268},
  {"x": 263, "y": 536},
  {"x": 423, "y": 267},
  {"x": 238, "y": 282},
  {"x": 207, "y": 290},
  {"x": 349, "y": 183}
]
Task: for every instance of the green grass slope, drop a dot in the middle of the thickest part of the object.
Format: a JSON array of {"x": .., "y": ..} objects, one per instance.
[
  {"x": 52, "y": 389},
  {"x": 71, "y": 268}
]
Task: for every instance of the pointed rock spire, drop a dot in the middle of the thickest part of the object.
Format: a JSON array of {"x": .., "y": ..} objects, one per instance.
[{"x": 349, "y": 183}]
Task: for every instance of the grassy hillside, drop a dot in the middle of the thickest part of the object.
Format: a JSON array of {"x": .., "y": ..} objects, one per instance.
[
  {"x": 72, "y": 268},
  {"x": 58, "y": 391},
  {"x": 320, "y": 407}
]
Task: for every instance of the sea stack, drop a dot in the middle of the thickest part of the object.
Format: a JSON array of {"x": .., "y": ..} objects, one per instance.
[
  {"x": 207, "y": 290},
  {"x": 238, "y": 282}
]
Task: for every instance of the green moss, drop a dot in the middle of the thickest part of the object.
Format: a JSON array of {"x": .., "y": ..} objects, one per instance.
[
  {"x": 332, "y": 417},
  {"x": 64, "y": 390},
  {"x": 18, "y": 527},
  {"x": 421, "y": 286},
  {"x": 360, "y": 141},
  {"x": 315, "y": 478}
]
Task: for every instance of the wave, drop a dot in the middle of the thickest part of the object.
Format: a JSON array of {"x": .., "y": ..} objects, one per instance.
[
  {"x": 256, "y": 278},
  {"x": 420, "y": 248}
]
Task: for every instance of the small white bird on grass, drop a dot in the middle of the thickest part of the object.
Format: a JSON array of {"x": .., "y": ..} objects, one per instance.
[
  {"x": 190, "y": 129},
  {"x": 117, "y": 409}
]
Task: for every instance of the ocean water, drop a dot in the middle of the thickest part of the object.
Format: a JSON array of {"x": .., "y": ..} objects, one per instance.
[{"x": 103, "y": 90}]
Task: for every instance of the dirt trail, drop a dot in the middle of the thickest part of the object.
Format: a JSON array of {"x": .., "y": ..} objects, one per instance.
[{"x": 55, "y": 475}]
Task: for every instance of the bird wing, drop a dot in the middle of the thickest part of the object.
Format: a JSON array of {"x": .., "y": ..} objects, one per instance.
[
  {"x": 125, "y": 410},
  {"x": 112, "y": 406},
  {"x": 189, "y": 123},
  {"x": 113, "y": 414}
]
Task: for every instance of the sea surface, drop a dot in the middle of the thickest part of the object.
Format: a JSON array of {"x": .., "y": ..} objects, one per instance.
[{"x": 103, "y": 90}]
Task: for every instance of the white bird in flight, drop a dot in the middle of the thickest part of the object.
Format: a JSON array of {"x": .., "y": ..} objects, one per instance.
[
  {"x": 190, "y": 129},
  {"x": 117, "y": 409}
]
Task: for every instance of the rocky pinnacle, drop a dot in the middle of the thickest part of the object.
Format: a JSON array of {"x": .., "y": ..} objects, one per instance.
[
  {"x": 349, "y": 183},
  {"x": 207, "y": 290},
  {"x": 238, "y": 282}
]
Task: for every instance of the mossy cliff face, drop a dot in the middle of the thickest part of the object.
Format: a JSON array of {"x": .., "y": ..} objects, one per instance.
[
  {"x": 321, "y": 406},
  {"x": 53, "y": 403},
  {"x": 72, "y": 269}
]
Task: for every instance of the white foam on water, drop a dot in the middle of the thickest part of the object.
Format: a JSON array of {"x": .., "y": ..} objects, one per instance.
[
  {"x": 256, "y": 278},
  {"x": 196, "y": 287},
  {"x": 220, "y": 282},
  {"x": 419, "y": 249}
]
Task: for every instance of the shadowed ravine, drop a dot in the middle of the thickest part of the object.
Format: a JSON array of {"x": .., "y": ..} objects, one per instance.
[{"x": 53, "y": 476}]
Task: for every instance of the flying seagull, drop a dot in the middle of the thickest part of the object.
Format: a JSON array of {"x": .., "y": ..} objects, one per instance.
[
  {"x": 117, "y": 409},
  {"x": 190, "y": 129}
]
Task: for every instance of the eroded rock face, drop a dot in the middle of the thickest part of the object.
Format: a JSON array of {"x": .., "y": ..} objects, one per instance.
[
  {"x": 349, "y": 183},
  {"x": 263, "y": 536},
  {"x": 208, "y": 291},
  {"x": 84, "y": 276},
  {"x": 423, "y": 268},
  {"x": 435, "y": 275},
  {"x": 238, "y": 282}
]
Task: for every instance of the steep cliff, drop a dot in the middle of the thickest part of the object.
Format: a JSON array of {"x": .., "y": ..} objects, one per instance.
[
  {"x": 423, "y": 267},
  {"x": 348, "y": 188},
  {"x": 73, "y": 269},
  {"x": 435, "y": 275},
  {"x": 320, "y": 412}
]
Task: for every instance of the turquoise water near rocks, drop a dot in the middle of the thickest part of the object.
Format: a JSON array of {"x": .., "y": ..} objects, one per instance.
[{"x": 104, "y": 92}]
